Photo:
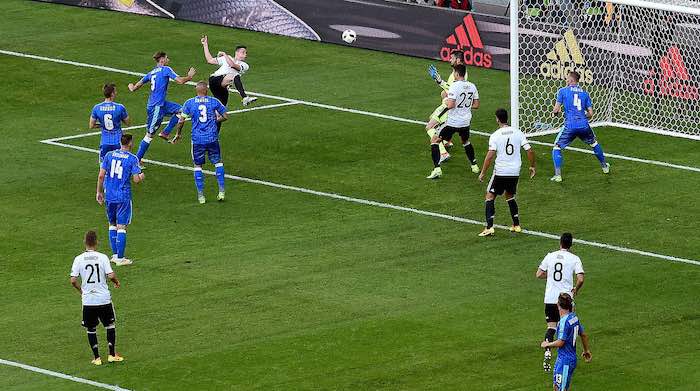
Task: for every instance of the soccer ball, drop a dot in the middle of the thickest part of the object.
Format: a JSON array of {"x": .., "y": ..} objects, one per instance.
[{"x": 349, "y": 36}]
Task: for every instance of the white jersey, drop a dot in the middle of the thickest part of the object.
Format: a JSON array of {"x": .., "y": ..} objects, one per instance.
[
  {"x": 93, "y": 268},
  {"x": 560, "y": 267},
  {"x": 507, "y": 142},
  {"x": 226, "y": 69},
  {"x": 464, "y": 93}
]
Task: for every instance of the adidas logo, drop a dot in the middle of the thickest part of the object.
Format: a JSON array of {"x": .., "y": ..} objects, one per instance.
[
  {"x": 675, "y": 79},
  {"x": 564, "y": 58},
  {"x": 466, "y": 38}
]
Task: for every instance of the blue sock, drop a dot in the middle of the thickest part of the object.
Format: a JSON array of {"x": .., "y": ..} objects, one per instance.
[
  {"x": 143, "y": 147},
  {"x": 598, "y": 150},
  {"x": 113, "y": 238},
  {"x": 121, "y": 242},
  {"x": 171, "y": 124},
  {"x": 558, "y": 160},
  {"x": 199, "y": 180},
  {"x": 220, "y": 175}
]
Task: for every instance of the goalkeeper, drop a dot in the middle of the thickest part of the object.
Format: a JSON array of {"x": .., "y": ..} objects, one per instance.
[{"x": 439, "y": 116}]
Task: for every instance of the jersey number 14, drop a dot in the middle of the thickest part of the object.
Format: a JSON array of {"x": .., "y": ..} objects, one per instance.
[{"x": 116, "y": 169}]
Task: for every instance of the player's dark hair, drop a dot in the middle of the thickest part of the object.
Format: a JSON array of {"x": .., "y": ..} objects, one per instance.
[
  {"x": 575, "y": 75},
  {"x": 565, "y": 301},
  {"x": 461, "y": 69},
  {"x": 566, "y": 240},
  {"x": 240, "y": 47},
  {"x": 159, "y": 54},
  {"x": 126, "y": 138},
  {"x": 502, "y": 115},
  {"x": 91, "y": 238},
  {"x": 459, "y": 54},
  {"x": 108, "y": 89}
]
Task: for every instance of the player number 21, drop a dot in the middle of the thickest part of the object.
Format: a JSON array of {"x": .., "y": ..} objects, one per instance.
[
  {"x": 117, "y": 169},
  {"x": 577, "y": 102}
]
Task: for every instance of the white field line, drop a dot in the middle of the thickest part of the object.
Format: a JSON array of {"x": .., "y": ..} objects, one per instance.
[
  {"x": 354, "y": 111},
  {"x": 62, "y": 375},
  {"x": 74, "y": 136},
  {"x": 395, "y": 207}
]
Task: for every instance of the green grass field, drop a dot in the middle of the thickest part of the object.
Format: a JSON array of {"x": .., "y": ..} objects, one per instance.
[{"x": 281, "y": 290}]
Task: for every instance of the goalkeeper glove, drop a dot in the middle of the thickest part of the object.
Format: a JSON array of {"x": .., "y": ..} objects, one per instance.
[{"x": 433, "y": 72}]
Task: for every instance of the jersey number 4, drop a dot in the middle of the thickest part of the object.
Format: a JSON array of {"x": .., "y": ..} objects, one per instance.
[
  {"x": 116, "y": 169},
  {"x": 93, "y": 268},
  {"x": 577, "y": 102}
]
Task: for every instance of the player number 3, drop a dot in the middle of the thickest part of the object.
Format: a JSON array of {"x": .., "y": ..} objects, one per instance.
[{"x": 202, "y": 113}]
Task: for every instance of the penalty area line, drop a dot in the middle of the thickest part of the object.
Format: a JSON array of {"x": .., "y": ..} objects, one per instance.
[
  {"x": 353, "y": 111},
  {"x": 396, "y": 207},
  {"x": 62, "y": 375}
]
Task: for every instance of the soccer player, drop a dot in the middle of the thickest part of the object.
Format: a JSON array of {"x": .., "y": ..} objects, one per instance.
[
  {"x": 461, "y": 98},
  {"x": 439, "y": 115},
  {"x": 578, "y": 109},
  {"x": 206, "y": 113},
  {"x": 158, "y": 107},
  {"x": 94, "y": 270},
  {"x": 109, "y": 116},
  {"x": 229, "y": 72},
  {"x": 504, "y": 145},
  {"x": 558, "y": 268},
  {"x": 116, "y": 173},
  {"x": 568, "y": 329}
]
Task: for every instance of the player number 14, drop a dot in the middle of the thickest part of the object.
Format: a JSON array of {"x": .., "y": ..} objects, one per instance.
[{"x": 116, "y": 169}]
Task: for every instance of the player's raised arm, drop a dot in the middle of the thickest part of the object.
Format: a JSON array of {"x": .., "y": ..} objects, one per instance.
[
  {"x": 184, "y": 79},
  {"x": 207, "y": 54},
  {"x": 230, "y": 61},
  {"x": 100, "y": 195}
]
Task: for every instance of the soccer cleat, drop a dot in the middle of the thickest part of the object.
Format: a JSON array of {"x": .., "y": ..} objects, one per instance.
[
  {"x": 516, "y": 229},
  {"x": 97, "y": 361},
  {"x": 488, "y": 232},
  {"x": 248, "y": 100},
  {"x": 123, "y": 261},
  {"x": 115, "y": 358},
  {"x": 437, "y": 173},
  {"x": 448, "y": 144},
  {"x": 556, "y": 178},
  {"x": 547, "y": 363},
  {"x": 164, "y": 136},
  {"x": 221, "y": 196},
  {"x": 444, "y": 157},
  {"x": 475, "y": 169},
  {"x": 114, "y": 258},
  {"x": 201, "y": 199},
  {"x": 606, "y": 169}
]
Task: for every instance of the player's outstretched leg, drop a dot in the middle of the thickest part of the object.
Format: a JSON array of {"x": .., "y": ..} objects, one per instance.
[
  {"x": 513, "y": 206},
  {"x": 221, "y": 179},
  {"x": 171, "y": 109},
  {"x": 600, "y": 155},
  {"x": 143, "y": 147},
  {"x": 558, "y": 161},
  {"x": 199, "y": 184},
  {"x": 111, "y": 343},
  {"x": 92, "y": 340},
  {"x": 239, "y": 87}
]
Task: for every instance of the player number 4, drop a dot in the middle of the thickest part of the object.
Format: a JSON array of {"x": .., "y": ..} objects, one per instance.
[
  {"x": 116, "y": 169},
  {"x": 577, "y": 102}
]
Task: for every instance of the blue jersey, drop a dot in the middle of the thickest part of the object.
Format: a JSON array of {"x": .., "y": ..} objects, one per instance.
[
  {"x": 568, "y": 330},
  {"x": 159, "y": 78},
  {"x": 575, "y": 101},
  {"x": 110, "y": 116},
  {"x": 120, "y": 166},
  {"x": 203, "y": 111}
]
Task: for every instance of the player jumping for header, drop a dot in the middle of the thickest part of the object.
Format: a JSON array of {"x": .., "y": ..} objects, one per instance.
[
  {"x": 229, "y": 72},
  {"x": 207, "y": 113},
  {"x": 578, "y": 109},
  {"x": 158, "y": 107}
]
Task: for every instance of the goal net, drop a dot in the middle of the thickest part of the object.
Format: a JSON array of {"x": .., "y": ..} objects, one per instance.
[{"x": 639, "y": 60}]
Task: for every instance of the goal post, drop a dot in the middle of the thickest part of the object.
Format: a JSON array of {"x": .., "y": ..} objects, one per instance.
[{"x": 638, "y": 59}]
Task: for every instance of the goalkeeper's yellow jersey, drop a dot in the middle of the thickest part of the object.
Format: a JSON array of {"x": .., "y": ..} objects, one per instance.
[{"x": 445, "y": 85}]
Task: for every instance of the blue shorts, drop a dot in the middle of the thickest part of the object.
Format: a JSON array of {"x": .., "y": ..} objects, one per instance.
[
  {"x": 107, "y": 148},
  {"x": 211, "y": 150},
  {"x": 157, "y": 113},
  {"x": 563, "y": 372},
  {"x": 567, "y": 136},
  {"x": 118, "y": 212}
]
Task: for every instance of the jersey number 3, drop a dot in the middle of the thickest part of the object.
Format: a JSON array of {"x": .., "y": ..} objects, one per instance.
[{"x": 202, "y": 113}]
